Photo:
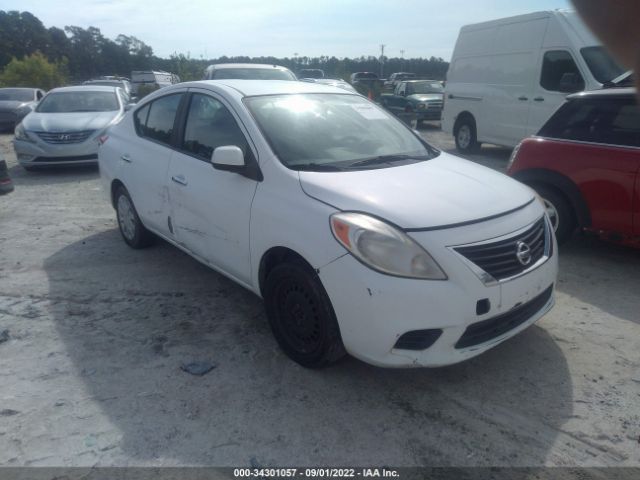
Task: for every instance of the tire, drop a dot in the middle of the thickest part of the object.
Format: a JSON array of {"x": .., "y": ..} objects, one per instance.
[
  {"x": 301, "y": 316},
  {"x": 466, "y": 135},
  {"x": 131, "y": 228},
  {"x": 559, "y": 211}
]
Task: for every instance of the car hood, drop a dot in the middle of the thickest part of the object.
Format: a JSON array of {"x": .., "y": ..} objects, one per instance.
[
  {"x": 67, "y": 122},
  {"x": 11, "y": 105},
  {"x": 444, "y": 191},
  {"x": 425, "y": 97}
]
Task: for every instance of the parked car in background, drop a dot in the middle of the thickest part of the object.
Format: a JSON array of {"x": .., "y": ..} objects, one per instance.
[
  {"x": 311, "y": 73},
  {"x": 359, "y": 236},
  {"x": 394, "y": 78},
  {"x": 368, "y": 78},
  {"x": 422, "y": 97},
  {"x": 15, "y": 103},
  {"x": 123, "y": 83},
  {"x": 507, "y": 76},
  {"x": 6, "y": 185},
  {"x": 247, "y": 71},
  {"x": 151, "y": 78},
  {"x": 332, "y": 82},
  {"x": 585, "y": 164},
  {"x": 67, "y": 125}
]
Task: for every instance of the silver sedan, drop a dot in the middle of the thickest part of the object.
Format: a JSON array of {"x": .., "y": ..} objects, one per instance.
[{"x": 66, "y": 127}]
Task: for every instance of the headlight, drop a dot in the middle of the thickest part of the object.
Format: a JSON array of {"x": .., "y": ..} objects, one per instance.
[
  {"x": 384, "y": 248},
  {"x": 21, "y": 134}
]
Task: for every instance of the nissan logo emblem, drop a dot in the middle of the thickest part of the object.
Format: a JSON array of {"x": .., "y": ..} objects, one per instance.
[{"x": 523, "y": 253}]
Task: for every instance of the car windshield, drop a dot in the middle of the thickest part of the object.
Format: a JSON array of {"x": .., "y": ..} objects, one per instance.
[
  {"x": 16, "y": 94},
  {"x": 334, "y": 132},
  {"x": 424, "y": 87},
  {"x": 67, "y": 102},
  {"x": 252, "y": 74},
  {"x": 603, "y": 67}
]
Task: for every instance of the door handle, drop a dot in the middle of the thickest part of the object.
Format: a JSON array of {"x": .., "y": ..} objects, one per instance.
[
  {"x": 126, "y": 158},
  {"x": 179, "y": 179},
  {"x": 523, "y": 98},
  {"x": 538, "y": 99}
]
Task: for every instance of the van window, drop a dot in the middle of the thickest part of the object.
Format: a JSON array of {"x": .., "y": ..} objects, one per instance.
[
  {"x": 210, "y": 125},
  {"x": 609, "y": 121},
  {"x": 161, "y": 117},
  {"x": 602, "y": 65},
  {"x": 560, "y": 73}
]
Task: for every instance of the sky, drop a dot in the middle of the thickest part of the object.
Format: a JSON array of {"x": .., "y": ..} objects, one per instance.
[{"x": 283, "y": 28}]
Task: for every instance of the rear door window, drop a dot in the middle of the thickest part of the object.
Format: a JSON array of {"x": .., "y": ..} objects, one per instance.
[
  {"x": 614, "y": 121},
  {"x": 560, "y": 73},
  {"x": 160, "y": 118}
]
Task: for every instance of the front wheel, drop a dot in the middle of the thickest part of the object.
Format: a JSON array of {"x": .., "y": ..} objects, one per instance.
[
  {"x": 559, "y": 212},
  {"x": 466, "y": 136},
  {"x": 131, "y": 228},
  {"x": 301, "y": 316}
]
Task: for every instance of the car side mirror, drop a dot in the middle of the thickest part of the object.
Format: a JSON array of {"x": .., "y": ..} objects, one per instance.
[{"x": 229, "y": 158}]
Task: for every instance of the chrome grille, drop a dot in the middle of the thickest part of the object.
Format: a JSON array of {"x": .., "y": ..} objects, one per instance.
[
  {"x": 501, "y": 260},
  {"x": 435, "y": 104},
  {"x": 65, "y": 138}
]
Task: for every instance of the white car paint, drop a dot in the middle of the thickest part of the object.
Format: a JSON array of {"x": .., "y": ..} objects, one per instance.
[
  {"x": 229, "y": 222},
  {"x": 495, "y": 73}
]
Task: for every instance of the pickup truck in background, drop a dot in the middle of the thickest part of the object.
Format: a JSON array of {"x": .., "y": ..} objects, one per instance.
[
  {"x": 395, "y": 78},
  {"x": 425, "y": 98}
]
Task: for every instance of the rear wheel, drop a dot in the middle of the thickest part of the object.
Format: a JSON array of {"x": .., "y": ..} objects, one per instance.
[
  {"x": 301, "y": 316},
  {"x": 559, "y": 212},
  {"x": 466, "y": 135},
  {"x": 131, "y": 228}
]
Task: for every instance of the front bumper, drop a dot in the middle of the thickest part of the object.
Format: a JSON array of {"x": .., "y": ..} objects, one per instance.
[
  {"x": 429, "y": 114},
  {"x": 41, "y": 153},
  {"x": 375, "y": 310}
]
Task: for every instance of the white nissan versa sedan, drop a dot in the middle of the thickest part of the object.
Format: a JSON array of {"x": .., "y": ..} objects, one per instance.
[{"x": 358, "y": 235}]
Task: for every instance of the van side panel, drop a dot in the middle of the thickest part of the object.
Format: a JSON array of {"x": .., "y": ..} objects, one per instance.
[{"x": 491, "y": 73}]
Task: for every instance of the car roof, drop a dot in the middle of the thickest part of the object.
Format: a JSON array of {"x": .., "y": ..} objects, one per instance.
[
  {"x": 418, "y": 80},
  {"x": 222, "y": 66},
  {"x": 605, "y": 92},
  {"x": 250, "y": 88},
  {"x": 18, "y": 88},
  {"x": 84, "y": 88}
]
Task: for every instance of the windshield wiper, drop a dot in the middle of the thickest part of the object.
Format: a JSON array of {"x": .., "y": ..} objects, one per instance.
[
  {"x": 316, "y": 167},
  {"x": 386, "y": 159}
]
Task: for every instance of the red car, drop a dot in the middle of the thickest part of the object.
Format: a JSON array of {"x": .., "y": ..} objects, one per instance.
[{"x": 585, "y": 165}]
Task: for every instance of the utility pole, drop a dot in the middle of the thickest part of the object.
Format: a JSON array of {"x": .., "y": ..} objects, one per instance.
[
  {"x": 402, "y": 60},
  {"x": 382, "y": 60}
]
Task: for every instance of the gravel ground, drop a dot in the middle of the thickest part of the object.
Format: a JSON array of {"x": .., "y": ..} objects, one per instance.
[{"x": 96, "y": 334}]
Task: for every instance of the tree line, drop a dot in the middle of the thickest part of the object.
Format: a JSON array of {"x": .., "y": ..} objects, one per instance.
[{"x": 76, "y": 54}]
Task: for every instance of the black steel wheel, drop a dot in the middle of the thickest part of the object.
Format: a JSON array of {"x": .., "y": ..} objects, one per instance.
[{"x": 301, "y": 316}]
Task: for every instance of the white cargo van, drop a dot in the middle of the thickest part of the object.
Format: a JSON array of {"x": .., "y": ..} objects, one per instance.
[{"x": 508, "y": 76}]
